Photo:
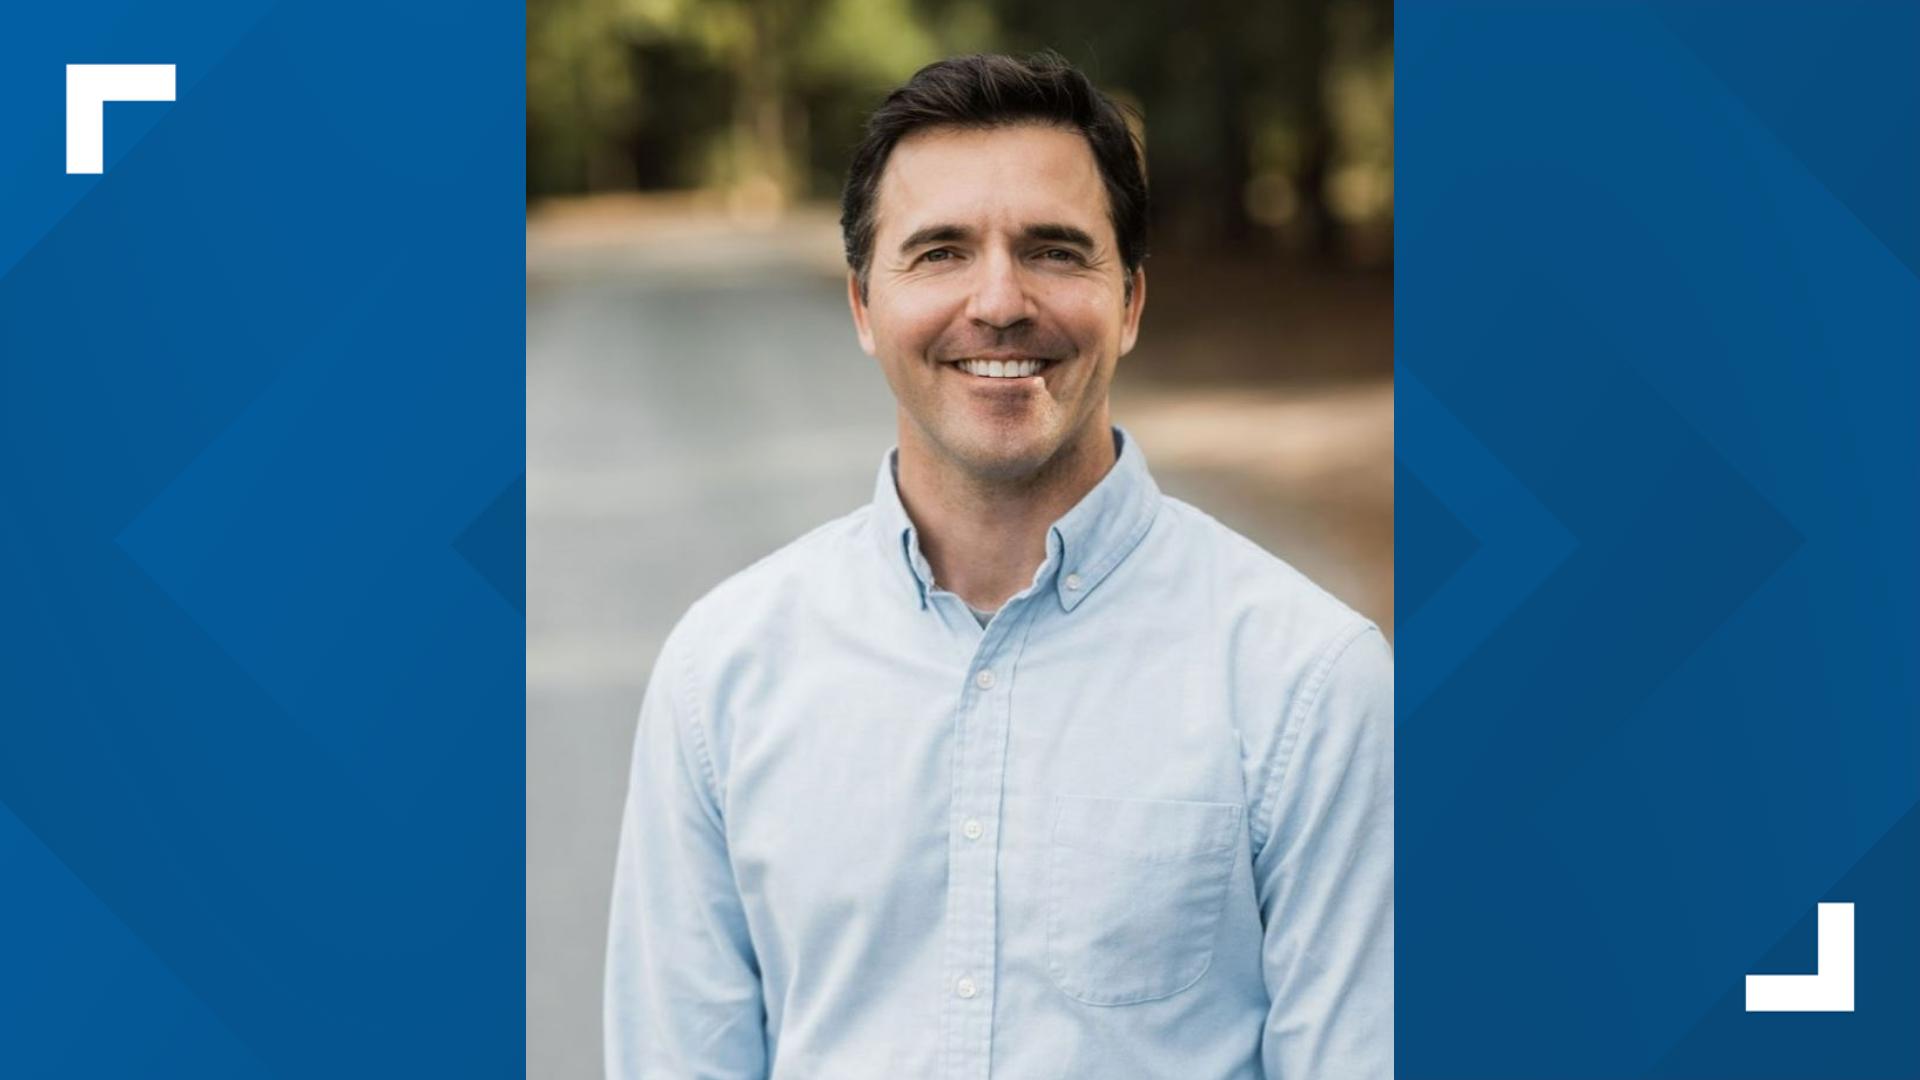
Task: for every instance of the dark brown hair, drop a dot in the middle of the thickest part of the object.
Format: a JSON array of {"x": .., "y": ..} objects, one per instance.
[{"x": 987, "y": 91}]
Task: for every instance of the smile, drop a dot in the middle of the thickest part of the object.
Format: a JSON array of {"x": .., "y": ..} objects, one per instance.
[{"x": 1003, "y": 369}]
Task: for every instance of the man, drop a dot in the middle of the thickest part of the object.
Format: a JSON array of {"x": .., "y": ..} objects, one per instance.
[{"x": 1023, "y": 770}]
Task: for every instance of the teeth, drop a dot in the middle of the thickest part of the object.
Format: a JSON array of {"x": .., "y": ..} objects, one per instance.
[{"x": 1002, "y": 369}]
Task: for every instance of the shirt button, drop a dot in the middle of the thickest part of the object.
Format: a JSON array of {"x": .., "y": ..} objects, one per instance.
[
  {"x": 965, "y": 987},
  {"x": 972, "y": 830},
  {"x": 984, "y": 680},
  {"x": 1073, "y": 581}
]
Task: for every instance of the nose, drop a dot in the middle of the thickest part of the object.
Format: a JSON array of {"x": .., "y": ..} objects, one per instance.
[{"x": 999, "y": 297}]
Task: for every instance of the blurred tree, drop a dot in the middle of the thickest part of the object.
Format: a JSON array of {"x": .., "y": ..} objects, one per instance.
[
  {"x": 579, "y": 95},
  {"x": 1266, "y": 124},
  {"x": 595, "y": 87},
  {"x": 1240, "y": 135}
]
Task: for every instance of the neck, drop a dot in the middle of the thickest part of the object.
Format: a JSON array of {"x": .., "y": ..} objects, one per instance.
[{"x": 984, "y": 537}]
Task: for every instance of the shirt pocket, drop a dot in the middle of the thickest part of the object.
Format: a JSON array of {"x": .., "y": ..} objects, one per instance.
[{"x": 1135, "y": 888}]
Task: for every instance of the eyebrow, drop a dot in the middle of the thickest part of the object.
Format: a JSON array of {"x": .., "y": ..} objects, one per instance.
[
  {"x": 1051, "y": 231},
  {"x": 1060, "y": 234},
  {"x": 935, "y": 234}
]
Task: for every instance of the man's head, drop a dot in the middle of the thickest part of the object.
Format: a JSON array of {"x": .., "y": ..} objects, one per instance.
[{"x": 995, "y": 220}]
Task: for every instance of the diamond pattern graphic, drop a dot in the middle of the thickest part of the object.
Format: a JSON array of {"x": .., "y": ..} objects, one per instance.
[
  {"x": 1656, "y": 339},
  {"x": 261, "y": 747},
  {"x": 496, "y": 544},
  {"x": 1518, "y": 542},
  {"x": 1445, "y": 544}
]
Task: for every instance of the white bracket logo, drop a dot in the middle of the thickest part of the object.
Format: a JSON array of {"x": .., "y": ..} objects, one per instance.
[
  {"x": 1829, "y": 988},
  {"x": 89, "y": 88}
]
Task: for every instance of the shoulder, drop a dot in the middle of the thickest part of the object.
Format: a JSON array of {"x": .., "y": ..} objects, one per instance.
[
  {"x": 1310, "y": 675},
  {"x": 1271, "y": 607},
  {"x": 774, "y": 594},
  {"x": 1320, "y": 706}
]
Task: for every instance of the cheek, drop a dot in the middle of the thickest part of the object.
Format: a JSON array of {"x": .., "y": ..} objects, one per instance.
[
  {"x": 1092, "y": 316},
  {"x": 910, "y": 322},
  {"x": 1099, "y": 312}
]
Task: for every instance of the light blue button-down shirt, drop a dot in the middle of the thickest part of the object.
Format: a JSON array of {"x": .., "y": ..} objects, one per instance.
[{"x": 1139, "y": 825}]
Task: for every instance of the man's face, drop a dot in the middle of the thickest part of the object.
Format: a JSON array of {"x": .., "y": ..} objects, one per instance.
[{"x": 994, "y": 247}]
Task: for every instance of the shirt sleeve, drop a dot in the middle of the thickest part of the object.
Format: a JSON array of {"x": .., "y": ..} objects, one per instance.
[
  {"x": 1325, "y": 873},
  {"x": 683, "y": 992}
]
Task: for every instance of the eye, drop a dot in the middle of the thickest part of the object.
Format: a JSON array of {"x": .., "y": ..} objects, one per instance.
[
  {"x": 937, "y": 255},
  {"x": 1060, "y": 255}
]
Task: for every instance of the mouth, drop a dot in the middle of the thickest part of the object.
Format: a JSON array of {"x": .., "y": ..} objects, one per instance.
[{"x": 1011, "y": 368}]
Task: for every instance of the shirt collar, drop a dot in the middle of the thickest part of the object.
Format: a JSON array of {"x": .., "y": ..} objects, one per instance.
[{"x": 1083, "y": 547}]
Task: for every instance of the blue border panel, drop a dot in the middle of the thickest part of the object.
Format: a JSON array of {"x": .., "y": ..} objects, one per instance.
[
  {"x": 261, "y": 479},
  {"x": 1658, "y": 330}
]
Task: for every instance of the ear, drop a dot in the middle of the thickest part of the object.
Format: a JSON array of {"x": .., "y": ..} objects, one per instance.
[
  {"x": 859, "y": 308},
  {"x": 1136, "y": 303}
]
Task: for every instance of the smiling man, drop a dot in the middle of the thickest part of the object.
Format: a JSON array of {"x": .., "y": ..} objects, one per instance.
[{"x": 1024, "y": 769}]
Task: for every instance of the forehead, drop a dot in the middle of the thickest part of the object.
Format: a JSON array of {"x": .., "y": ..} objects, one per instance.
[{"x": 1002, "y": 176}]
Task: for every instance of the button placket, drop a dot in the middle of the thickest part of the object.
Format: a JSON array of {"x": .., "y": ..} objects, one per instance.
[{"x": 972, "y": 887}]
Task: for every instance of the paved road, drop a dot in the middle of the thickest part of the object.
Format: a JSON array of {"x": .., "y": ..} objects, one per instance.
[{"x": 695, "y": 398}]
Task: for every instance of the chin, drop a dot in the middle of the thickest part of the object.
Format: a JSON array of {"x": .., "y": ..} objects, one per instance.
[{"x": 1006, "y": 459}]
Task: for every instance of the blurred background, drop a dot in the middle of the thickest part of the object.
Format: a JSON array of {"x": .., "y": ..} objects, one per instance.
[{"x": 696, "y": 398}]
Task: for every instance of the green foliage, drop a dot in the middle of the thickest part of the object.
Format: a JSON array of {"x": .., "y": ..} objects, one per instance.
[
  {"x": 1266, "y": 122},
  {"x": 865, "y": 43}
]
